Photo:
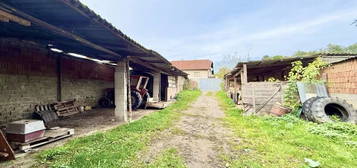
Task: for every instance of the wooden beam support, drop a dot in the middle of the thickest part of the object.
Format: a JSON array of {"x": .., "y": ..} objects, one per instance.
[
  {"x": 57, "y": 30},
  {"x": 7, "y": 17},
  {"x": 244, "y": 74},
  {"x": 59, "y": 77}
]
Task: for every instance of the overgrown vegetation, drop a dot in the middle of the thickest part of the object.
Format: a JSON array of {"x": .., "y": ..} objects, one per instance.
[
  {"x": 117, "y": 147},
  {"x": 331, "y": 48},
  {"x": 308, "y": 74},
  {"x": 287, "y": 141},
  {"x": 221, "y": 72}
]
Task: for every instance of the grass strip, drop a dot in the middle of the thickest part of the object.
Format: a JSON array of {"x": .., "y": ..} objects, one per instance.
[
  {"x": 287, "y": 141},
  {"x": 116, "y": 147},
  {"x": 168, "y": 159}
]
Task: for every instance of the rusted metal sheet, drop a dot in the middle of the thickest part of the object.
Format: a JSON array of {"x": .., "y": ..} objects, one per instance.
[{"x": 308, "y": 90}]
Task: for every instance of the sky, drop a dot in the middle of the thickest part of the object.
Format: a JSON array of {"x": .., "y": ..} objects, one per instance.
[{"x": 213, "y": 29}]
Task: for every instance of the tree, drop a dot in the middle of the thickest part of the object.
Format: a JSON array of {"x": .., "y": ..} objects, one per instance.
[
  {"x": 352, "y": 48},
  {"x": 221, "y": 72},
  {"x": 275, "y": 57},
  {"x": 333, "y": 48},
  {"x": 304, "y": 53}
]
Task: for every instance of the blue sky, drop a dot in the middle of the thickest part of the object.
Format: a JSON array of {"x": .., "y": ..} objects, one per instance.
[{"x": 198, "y": 29}]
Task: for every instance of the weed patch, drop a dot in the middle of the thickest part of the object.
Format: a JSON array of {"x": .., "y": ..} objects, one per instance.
[
  {"x": 287, "y": 141},
  {"x": 117, "y": 147},
  {"x": 168, "y": 159}
]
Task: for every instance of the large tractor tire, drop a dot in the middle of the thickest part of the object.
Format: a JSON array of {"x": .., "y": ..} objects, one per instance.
[
  {"x": 105, "y": 102},
  {"x": 136, "y": 100},
  {"x": 324, "y": 108},
  {"x": 306, "y": 108}
]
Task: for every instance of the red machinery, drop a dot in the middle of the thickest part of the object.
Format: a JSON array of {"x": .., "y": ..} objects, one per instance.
[{"x": 139, "y": 93}]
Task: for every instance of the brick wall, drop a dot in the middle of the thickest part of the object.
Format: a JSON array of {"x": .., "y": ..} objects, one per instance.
[
  {"x": 341, "y": 80},
  {"x": 342, "y": 77},
  {"x": 28, "y": 77},
  {"x": 85, "y": 81}
]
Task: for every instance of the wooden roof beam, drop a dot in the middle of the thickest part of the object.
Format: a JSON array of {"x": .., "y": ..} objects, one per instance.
[{"x": 58, "y": 30}]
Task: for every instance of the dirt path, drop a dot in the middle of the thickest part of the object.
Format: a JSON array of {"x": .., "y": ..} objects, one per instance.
[{"x": 199, "y": 136}]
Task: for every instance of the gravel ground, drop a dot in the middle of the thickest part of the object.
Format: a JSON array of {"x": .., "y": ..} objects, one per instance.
[{"x": 199, "y": 136}]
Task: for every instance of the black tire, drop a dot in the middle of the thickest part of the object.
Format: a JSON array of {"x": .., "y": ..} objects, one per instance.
[
  {"x": 306, "y": 108},
  {"x": 322, "y": 109},
  {"x": 105, "y": 102},
  {"x": 145, "y": 100},
  {"x": 136, "y": 100}
]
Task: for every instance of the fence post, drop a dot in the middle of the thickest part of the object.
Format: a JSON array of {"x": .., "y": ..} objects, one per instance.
[{"x": 253, "y": 90}]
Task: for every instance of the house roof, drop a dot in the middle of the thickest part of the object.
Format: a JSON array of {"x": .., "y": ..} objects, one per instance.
[
  {"x": 72, "y": 27},
  {"x": 193, "y": 64},
  {"x": 330, "y": 58}
]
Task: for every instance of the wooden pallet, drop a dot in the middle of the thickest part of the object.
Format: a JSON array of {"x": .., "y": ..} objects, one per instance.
[
  {"x": 67, "y": 108},
  {"x": 51, "y": 136}
]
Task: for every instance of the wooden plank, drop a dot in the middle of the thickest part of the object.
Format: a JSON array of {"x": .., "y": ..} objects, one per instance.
[
  {"x": 245, "y": 74},
  {"x": 254, "y": 105},
  {"x": 59, "y": 76},
  {"x": 9, "y": 17},
  {"x": 53, "y": 133},
  {"x": 5, "y": 149},
  {"x": 50, "y": 136},
  {"x": 4, "y": 19}
]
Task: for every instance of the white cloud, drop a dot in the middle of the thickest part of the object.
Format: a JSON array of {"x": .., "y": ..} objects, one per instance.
[{"x": 230, "y": 39}]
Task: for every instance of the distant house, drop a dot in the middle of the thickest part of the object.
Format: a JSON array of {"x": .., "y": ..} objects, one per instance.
[{"x": 196, "y": 69}]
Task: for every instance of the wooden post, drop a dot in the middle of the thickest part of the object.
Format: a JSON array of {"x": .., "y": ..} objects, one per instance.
[
  {"x": 59, "y": 77},
  {"x": 235, "y": 97},
  {"x": 129, "y": 91},
  {"x": 282, "y": 93},
  {"x": 253, "y": 95},
  {"x": 245, "y": 74},
  {"x": 6, "y": 152}
]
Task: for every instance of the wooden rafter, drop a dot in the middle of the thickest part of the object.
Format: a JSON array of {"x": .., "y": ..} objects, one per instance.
[
  {"x": 7, "y": 17},
  {"x": 58, "y": 30}
]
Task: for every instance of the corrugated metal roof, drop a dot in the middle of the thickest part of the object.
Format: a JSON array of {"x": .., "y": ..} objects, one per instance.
[
  {"x": 72, "y": 27},
  {"x": 330, "y": 58}
]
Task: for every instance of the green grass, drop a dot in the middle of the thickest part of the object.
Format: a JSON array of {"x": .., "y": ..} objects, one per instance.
[
  {"x": 168, "y": 159},
  {"x": 286, "y": 141},
  {"x": 117, "y": 147}
]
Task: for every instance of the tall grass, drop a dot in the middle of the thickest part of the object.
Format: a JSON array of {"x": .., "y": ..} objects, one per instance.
[{"x": 287, "y": 141}]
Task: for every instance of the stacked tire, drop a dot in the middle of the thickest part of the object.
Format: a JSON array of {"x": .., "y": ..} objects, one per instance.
[{"x": 321, "y": 109}]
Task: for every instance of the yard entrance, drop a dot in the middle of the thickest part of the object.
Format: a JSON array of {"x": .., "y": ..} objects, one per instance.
[{"x": 210, "y": 84}]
